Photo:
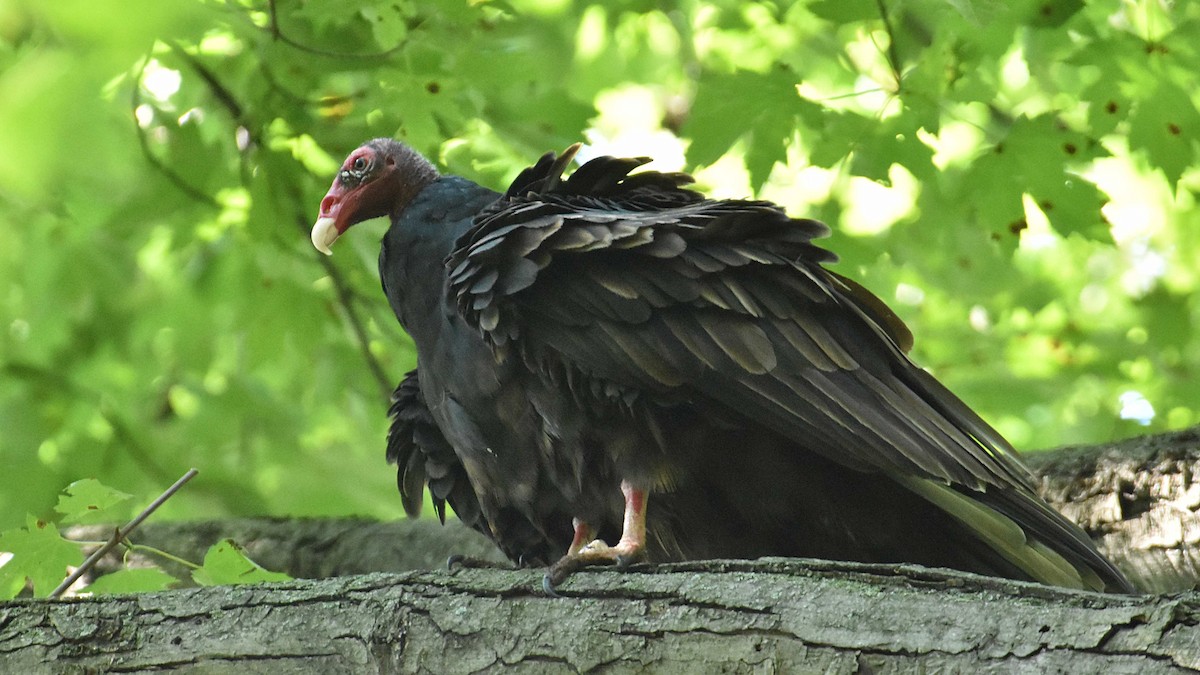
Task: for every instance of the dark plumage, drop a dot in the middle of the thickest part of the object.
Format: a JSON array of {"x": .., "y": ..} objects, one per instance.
[{"x": 609, "y": 334}]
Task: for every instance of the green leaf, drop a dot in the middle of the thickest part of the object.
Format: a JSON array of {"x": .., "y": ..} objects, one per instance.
[
  {"x": 140, "y": 580},
  {"x": 39, "y": 554},
  {"x": 90, "y": 501},
  {"x": 1108, "y": 106},
  {"x": 762, "y": 106},
  {"x": 226, "y": 563},
  {"x": 1168, "y": 317},
  {"x": 1165, "y": 126},
  {"x": 993, "y": 195},
  {"x": 838, "y": 136},
  {"x": 323, "y": 13},
  {"x": 1072, "y": 204},
  {"x": 893, "y": 141},
  {"x": 388, "y": 23},
  {"x": 1033, "y": 159}
]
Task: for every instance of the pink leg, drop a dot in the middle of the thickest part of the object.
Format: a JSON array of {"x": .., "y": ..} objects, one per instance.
[
  {"x": 631, "y": 546},
  {"x": 583, "y": 534}
]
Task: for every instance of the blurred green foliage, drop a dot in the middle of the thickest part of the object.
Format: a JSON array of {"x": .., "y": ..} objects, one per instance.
[{"x": 1017, "y": 178}]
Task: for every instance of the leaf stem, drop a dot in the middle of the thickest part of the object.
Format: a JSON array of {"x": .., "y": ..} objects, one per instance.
[{"x": 163, "y": 554}]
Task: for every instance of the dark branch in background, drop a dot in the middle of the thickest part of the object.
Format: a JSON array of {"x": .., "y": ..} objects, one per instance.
[
  {"x": 143, "y": 142},
  {"x": 224, "y": 96},
  {"x": 120, "y": 533},
  {"x": 228, "y": 101},
  {"x": 893, "y": 56},
  {"x": 142, "y": 458},
  {"x": 278, "y": 35},
  {"x": 345, "y": 298}
]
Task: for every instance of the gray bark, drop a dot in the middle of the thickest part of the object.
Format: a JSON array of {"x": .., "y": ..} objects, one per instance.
[
  {"x": 1137, "y": 497},
  {"x": 772, "y": 615}
]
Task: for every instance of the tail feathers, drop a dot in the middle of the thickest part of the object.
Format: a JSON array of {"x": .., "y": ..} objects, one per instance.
[{"x": 1011, "y": 541}]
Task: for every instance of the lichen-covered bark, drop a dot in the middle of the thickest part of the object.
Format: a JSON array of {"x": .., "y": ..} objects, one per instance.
[{"x": 772, "y": 615}]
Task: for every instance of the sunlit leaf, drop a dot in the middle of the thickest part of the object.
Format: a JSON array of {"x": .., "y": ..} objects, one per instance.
[
  {"x": 90, "y": 501},
  {"x": 1165, "y": 126},
  {"x": 762, "y": 106},
  {"x": 226, "y": 563},
  {"x": 39, "y": 554}
]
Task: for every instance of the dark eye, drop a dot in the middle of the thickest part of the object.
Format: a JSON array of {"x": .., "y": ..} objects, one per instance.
[{"x": 359, "y": 164}]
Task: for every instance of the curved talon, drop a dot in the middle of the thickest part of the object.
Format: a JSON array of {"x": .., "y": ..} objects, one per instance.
[
  {"x": 456, "y": 559},
  {"x": 625, "y": 560},
  {"x": 548, "y": 586}
]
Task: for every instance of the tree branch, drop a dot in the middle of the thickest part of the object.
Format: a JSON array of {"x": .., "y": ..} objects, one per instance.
[
  {"x": 893, "y": 55},
  {"x": 770, "y": 615}
]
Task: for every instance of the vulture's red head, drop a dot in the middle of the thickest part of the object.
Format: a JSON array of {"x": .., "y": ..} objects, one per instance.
[{"x": 378, "y": 179}]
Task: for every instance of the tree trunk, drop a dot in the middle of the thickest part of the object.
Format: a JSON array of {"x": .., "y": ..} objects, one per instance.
[{"x": 770, "y": 615}]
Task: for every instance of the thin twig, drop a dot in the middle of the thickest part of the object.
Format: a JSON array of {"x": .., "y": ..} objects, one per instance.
[
  {"x": 131, "y": 547},
  {"x": 893, "y": 56},
  {"x": 142, "y": 548},
  {"x": 120, "y": 533},
  {"x": 861, "y": 92}
]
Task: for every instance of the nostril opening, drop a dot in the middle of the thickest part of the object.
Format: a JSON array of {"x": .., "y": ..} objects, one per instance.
[{"x": 327, "y": 204}]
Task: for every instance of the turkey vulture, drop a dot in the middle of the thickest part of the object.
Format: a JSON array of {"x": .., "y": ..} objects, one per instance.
[{"x": 610, "y": 356}]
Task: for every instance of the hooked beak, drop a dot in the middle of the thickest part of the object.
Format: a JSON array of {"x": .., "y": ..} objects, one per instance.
[{"x": 324, "y": 233}]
